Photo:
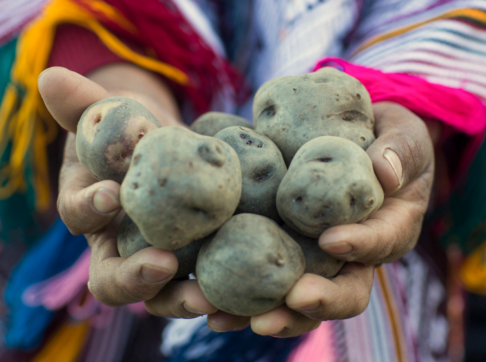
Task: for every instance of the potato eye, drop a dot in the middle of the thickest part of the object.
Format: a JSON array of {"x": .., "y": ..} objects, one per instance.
[
  {"x": 269, "y": 111},
  {"x": 325, "y": 159}
]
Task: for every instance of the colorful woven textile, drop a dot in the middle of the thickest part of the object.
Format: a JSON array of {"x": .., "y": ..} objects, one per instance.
[{"x": 55, "y": 252}]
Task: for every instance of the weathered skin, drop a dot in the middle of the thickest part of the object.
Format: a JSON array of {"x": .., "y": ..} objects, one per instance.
[
  {"x": 212, "y": 122},
  {"x": 249, "y": 266},
  {"x": 107, "y": 134},
  {"x": 130, "y": 240},
  {"x": 317, "y": 261},
  {"x": 181, "y": 186},
  {"x": 293, "y": 110},
  {"x": 262, "y": 168},
  {"x": 329, "y": 182}
]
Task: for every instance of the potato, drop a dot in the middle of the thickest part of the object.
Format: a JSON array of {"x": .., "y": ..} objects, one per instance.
[
  {"x": 293, "y": 110},
  {"x": 107, "y": 134},
  {"x": 180, "y": 186},
  {"x": 130, "y": 240},
  {"x": 262, "y": 168},
  {"x": 249, "y": 266},
  {"x": 212, "y": 122},
  {"x": 329, "y": 182},
  {"x": 317, "y": 261}
]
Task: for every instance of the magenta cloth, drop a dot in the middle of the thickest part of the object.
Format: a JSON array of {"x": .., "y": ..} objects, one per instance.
[{"x": 455, "y": 107}]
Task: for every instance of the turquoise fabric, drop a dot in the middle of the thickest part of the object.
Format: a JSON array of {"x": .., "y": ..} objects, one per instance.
[
  {"x": 466, "y": 212},
  {"x": 16, "y": 213}
]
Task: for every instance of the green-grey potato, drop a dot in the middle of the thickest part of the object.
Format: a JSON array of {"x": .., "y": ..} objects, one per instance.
[
  {"x": 130, "y": 240},
  {"x": 211, "y": 123},
  {"x": 249, "y": 266},
  {"x": 293, "y": 110},
  {"x": 262, "y": 168},
  {"x": 329, "y": 182},
  {"x": 107, "y": 134},
  {"x": 317, "y": 261},
  {"x": 180, "y": 186}
]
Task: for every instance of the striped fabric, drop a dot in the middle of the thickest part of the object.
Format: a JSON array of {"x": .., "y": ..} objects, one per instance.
[
  {"x": 441, "y": 41},
  {"x": 15, "y": 14}
]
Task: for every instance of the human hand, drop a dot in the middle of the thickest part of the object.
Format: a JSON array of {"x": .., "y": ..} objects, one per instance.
[
  {"x": 403, "y": 161},
  {"x": 93, "y": 208}
]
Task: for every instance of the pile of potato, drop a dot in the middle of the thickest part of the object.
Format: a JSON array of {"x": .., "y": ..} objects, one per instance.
[{"x": 241, "y": 207}]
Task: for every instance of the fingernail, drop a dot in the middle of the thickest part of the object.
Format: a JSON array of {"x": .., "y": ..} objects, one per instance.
[
  {"x": 105, "y": 201},
  {"x": 192, "y": 310},
  {"x": 153, "y": 274},
  {"x": 216, "y": 329},
  {"x": 309, "y": 308},
  {"x": 241, "y": 328},
  {"x": 278, "y": 335},
  {"x": 392, "y": 157},
  {"x": 340, "y": 248}
]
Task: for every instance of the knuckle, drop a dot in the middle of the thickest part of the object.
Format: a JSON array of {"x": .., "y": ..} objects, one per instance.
[
  {"x": 100, "y": 293},
  {"x": 362, "y": 299},
  {"x": 136, "y": 291},
  {"x": 64, "y": 209},
  {"x": 152, "y": 309}
]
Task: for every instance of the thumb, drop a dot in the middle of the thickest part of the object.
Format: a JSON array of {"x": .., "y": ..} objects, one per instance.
[
  {"x": 403, "y": 148},
  {"x": 67, "y": 94}
]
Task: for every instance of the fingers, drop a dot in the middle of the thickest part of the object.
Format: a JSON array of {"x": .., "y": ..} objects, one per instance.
[
  {"x": 180, "y": 299},
  {"x": 403, "y": 148},
  {"x": 344, "y": 296},
  {"x": 387, "y": 235},
  {"x": 84, "y": 204},
  {"x": 224, "y": 322},
  {"x": 117, "y": 281},
  {"x": 283, "y": 322},
  {"x": 67, "y": 94}
]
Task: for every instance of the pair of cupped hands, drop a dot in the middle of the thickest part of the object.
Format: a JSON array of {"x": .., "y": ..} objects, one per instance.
[{"x": 403, "y": 160}]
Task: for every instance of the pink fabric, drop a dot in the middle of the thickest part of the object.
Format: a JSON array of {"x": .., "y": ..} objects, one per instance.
[
  {"x": 317, "y": 347},
  {"x": 69, "y": 289},
  {"x": 456, "y": 107}
]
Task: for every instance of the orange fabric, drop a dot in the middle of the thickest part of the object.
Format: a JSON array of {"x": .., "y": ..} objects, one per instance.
[
  {"x": 65, "y": 345},
  {"x": 473, "y": 271}
]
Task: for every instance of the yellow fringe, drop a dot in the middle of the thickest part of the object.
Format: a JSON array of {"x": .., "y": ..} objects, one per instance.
[
  {"x": 24, "y": 119},
  {"x": 65, "y": 345},
  {"x": 473, "y": 271}
]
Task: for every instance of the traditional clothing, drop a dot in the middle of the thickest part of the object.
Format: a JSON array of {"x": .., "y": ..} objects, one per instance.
[{"x": 440, "y": 43}]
